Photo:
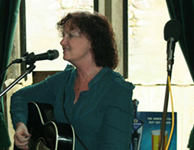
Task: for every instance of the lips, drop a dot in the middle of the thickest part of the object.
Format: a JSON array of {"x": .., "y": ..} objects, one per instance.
[{"x": 66, "y": 49}]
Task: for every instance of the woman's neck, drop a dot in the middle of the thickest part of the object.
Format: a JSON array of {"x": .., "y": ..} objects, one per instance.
[
  {"x": 84, "y": 76},
  {"x": 87, "y": 73}
]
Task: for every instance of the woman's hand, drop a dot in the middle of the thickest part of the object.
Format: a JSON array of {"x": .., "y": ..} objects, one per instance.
[{"x": 21, "y": 136}]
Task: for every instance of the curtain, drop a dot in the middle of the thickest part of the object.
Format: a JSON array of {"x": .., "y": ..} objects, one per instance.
[
  {"x": 183, "y": 11},
  {"x": 9, "y": 10}
]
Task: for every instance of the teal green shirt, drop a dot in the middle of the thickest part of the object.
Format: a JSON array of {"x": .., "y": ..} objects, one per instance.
[{"x": 102, "y": 117}]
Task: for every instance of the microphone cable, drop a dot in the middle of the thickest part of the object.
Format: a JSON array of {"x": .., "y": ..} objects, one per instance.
[{"x": 172, "y": 126}]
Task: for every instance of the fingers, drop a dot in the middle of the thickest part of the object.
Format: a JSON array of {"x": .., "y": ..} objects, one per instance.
[
  {"x": 21, "y": 136},
  {"x": 21, "y": 141}
]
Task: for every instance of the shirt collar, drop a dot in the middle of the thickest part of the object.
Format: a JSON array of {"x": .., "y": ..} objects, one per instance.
[{"x": 97, "y": 77}]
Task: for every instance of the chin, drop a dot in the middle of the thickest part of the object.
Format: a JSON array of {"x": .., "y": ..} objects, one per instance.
[{"x": 66, "y": 59}]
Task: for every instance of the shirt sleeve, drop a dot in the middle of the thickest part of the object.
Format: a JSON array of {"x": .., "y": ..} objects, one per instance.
[
  {"x": 43, "y": 92},
  {"x": 117, "y": 124}
]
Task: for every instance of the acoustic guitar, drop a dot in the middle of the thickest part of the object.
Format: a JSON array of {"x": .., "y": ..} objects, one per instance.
[{"x": 46, "y": 134}]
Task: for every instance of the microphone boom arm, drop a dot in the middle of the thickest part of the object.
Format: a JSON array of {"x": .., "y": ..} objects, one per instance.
[{"x": 28, "y": 70}]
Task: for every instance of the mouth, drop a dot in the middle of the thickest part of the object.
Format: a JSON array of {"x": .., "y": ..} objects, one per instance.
[{"x": 66, "y": 49}]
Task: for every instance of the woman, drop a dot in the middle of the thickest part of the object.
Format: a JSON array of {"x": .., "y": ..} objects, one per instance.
[{"x": 97, "y": 100}]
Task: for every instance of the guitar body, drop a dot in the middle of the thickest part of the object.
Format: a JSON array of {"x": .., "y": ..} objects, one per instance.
[{"x": 45, "y": 133}]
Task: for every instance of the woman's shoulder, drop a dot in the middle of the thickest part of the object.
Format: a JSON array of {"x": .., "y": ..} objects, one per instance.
[
  {"x": 61, "y": 75},
  {"x": 68, "y": 70},
  {"x": 119, "y": 81}
]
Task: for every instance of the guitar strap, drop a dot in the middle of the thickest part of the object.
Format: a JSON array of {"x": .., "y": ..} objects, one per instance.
[{"x": 70, "y": 123}]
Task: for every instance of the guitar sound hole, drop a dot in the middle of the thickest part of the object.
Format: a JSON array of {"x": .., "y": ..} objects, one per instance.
[{"x": 41, "y": 145}]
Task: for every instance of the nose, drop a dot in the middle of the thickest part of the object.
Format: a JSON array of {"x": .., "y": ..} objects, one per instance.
[{"x": 63, "y": 41}]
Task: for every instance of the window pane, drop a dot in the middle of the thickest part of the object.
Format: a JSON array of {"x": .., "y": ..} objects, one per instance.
[
  {"x": 147, "y": 47},
  {"x": 42, "y": 35}
]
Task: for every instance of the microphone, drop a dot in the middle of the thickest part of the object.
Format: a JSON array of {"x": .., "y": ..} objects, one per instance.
[
  {"x": 172, "y": 32},
  {"x": 32, "y": 58}
]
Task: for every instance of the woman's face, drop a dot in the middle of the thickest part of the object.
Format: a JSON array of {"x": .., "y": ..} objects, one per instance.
[{"x": 76, "y": 47}]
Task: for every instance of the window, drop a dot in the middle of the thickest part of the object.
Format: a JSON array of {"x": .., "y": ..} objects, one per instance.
[{"x": 42, "y": 35}]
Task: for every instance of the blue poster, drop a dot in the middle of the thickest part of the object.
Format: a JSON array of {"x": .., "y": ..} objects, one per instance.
[{"x": 145, "y": 127}]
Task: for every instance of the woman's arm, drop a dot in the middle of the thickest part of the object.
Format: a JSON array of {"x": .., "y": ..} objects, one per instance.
[{"x": 117, "y": 124}]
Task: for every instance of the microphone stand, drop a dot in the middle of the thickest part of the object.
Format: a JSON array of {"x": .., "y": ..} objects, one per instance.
[
  {"x": 163, "y": 125},
  {"x": 28, "y": 70}
]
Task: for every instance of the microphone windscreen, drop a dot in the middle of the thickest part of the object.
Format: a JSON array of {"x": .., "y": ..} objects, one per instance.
[
  {"x": 172, "y": 29},
  {"x": 53, "y": 54}
]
